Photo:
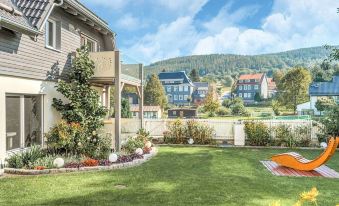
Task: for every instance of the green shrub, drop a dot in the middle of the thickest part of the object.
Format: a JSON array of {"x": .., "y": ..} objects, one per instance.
[
  {"x": 222, "y": 111},
  {"x": 284, "y": 136},
  {"x": 179, "y": 133},
  {"x": 303, "y": 136},
  {"x": 73, "y": 139},
  {"x": 257, "y": 133},
  {"x": 132, "y": 144},
  {"x": 25, "y": 159}
]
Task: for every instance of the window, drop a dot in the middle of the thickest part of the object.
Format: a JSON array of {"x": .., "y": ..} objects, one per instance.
[
  {"x": 247, "y": 80},
  {"x": 51, "y": 33},
  {"x": 245, "y": 87},
  {"x": 23, "y": 121},
  {"x": 180, "y": 88},
  {"x": 174, "y": 112},
  {"x": 181, "y": 97},
  {"x": 256, "y": 80},
  {"x": 175, "y": 97},
  {"x": 168, "y": 88},
  {"x": 256, "y": 87},
  {"x": 249, "y": 87},
  {"x": 240, "y": 87},
  {"x": 245, "y": 95},
  {"x": 240, "y": 94},
  {"x": 186, "y": 88},
  {"x": 89, "y": 42},
  {"x": 185, "y": 97},
  {"x": 249, "y": 95},
  {"x": 241, "y": 81},
  {"x": 175, "y": 88}
]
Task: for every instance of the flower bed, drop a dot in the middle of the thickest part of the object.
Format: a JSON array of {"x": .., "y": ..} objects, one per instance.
[{"x": 123, "y": 162}]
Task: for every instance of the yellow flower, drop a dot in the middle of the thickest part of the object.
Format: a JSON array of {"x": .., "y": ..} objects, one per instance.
[
  {"x": 310, "y": 196},
  {"x": 276, "y": 203}
]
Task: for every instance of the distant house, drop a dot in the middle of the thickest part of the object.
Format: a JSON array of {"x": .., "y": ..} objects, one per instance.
[
  {"x": 318, "y": 90},
  {"x": 178, "y": 87},
  {"x": 272, "y": 88},
  {"x": 200, "y": 92},
  {"x": 182, "y": 113},
  {"x": 250, "y": 84},
  {"x": 150, "y": 112},
  {"x": 131, "y": 97}
]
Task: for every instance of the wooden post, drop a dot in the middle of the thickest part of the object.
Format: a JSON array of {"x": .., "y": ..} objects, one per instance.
[
  {"x": 108, "y": 100},
  {"x": 117, "y": 108},
  {"x": 141, "y": 95}
]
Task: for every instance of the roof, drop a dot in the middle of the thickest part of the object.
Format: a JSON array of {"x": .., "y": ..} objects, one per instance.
[
  {"x": 12, "y": 18},
  {"x": 175, "y": 75},
  {"x": 251, "y": 76},
  {"x": 201, "y": 84},
  {"x": 135, "y": 108},
  {"x": 183, "y": 109},
  {"x": 325, "y": 88},
  {"x": 34, "y": 10}
]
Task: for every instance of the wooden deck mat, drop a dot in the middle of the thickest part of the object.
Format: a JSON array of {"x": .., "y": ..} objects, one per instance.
[{"x": 278, "y": 170}]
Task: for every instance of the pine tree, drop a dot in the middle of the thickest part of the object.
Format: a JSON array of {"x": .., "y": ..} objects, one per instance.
[
  {"x": 154, "y": 94},
  {"x": 83, "y": 104},
  {"x": 194, "y": 76}
]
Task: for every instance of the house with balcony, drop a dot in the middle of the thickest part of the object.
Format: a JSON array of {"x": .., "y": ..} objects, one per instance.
[
  {"x": 178, "y": 87},
  {"x": 320, "y": 90},
  {"x": 38, "y": 40},
  {"x": 250, "y": 85}
]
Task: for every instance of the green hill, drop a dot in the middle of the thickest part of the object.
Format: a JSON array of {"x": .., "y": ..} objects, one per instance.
[{"x": 230, "y": 64}]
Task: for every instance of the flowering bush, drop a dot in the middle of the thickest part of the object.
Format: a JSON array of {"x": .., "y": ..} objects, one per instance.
[
  {"x": 90, "y": 163},
  {"x": 257, "y": 133}
]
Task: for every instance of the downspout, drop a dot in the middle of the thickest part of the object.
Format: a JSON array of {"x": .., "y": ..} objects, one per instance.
[{"x": 61, "y": 2}]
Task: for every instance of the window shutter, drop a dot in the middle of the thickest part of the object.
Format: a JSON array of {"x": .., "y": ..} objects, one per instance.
[{"x": 58, "y": 35}]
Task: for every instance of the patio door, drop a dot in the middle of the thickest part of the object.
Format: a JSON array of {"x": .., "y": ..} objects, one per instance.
[{"x": 23, "y": 121}]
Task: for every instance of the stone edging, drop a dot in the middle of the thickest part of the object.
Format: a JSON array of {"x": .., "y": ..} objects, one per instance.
[{"x": 134, "y": 163}]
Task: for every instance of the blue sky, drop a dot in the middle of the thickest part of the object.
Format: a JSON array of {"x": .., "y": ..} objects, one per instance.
[{"x": 153, "y": 30}]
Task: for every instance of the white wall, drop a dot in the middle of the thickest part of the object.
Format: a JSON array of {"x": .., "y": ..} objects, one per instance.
[{"x": 264, "y": 88}]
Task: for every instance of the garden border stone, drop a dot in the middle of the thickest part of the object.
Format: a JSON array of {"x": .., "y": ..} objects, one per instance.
[{"x": 114, "y": 166}]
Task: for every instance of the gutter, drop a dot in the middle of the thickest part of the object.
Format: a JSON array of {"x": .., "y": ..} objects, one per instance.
[
  {"x": 18, "y": 27},
  {"x": 49, "y": 13},
  {"x": 87, "y": 12}
]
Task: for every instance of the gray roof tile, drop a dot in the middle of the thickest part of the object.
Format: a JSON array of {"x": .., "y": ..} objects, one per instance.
[
  {"x": 21, "y": 20},
  {"x": 325, "y": 88}
]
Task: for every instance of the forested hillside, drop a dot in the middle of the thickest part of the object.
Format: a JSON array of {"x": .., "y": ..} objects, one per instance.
[{"x": 229, "y": 64}]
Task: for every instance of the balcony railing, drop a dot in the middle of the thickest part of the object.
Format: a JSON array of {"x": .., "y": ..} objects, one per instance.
[{"x": 105, "y": 72}]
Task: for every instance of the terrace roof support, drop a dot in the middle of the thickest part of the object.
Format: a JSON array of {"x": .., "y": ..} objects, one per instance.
[
  {"x": 140, "y": 90},
  {"x": 117, "y": 109}
]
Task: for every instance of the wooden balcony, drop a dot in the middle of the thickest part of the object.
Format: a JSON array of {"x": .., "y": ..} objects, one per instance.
[{"x": 108, "y": 69}]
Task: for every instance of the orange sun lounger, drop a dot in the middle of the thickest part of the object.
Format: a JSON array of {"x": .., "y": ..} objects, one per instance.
[{"x": 298, "y": 162}]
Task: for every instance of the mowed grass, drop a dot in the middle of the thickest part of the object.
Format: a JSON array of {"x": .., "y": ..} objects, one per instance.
[{"x": 176, "y": 176}]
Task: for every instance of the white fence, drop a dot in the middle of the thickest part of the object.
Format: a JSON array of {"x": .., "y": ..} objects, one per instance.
[{"x": 224, "y": 129}]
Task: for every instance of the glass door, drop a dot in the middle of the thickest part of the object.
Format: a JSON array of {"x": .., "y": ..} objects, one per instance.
[{"x": 23, "y": 121}]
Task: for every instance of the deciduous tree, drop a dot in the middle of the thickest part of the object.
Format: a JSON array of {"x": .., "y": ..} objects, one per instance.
[{"x": 154, "y": 94}]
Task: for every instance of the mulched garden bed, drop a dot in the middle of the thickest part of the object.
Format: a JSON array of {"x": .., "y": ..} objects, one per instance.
[{"x": 114, "y": 166}]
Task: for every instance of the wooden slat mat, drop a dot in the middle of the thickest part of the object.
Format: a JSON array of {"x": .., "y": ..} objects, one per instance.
[{"x": 278, "y": 170}]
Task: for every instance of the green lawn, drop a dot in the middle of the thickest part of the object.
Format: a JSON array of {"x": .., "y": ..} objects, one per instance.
[{"x": 176, "y": 176}]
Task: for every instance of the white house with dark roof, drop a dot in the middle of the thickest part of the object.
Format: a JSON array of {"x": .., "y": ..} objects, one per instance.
[
  {"x": 318, "y": 90},
  {"x": 38, "y": 39}
]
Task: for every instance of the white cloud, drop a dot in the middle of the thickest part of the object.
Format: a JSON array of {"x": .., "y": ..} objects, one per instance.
[
  {"x": 292, "y": 24},
  {"x": 129, "y": 22},
  {"x": 170, "y": 40}
]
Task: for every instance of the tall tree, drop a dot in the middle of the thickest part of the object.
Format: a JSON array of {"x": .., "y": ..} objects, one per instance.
[
  {"x": 83, "y": 105},
  {"x": 211, "y": 104},
  {"x": 125, "y": 109},
  {"x": 154, "y": 92},
  {"x": 194, "y": 76},
  {"x": 294, "y": 87}
]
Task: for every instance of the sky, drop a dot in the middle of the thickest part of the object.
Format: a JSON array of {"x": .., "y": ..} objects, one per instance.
[{"x": 154, "y": 30}]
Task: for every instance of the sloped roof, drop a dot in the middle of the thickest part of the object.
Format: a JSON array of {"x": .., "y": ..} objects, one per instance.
[
  {"x": 175, "y": 75},
  {"x": 251, "y": 76},
  {"x": 14, "y": 17},
  {"x": 34, "y": 10},
  {"x": 325, "y": 88}
]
